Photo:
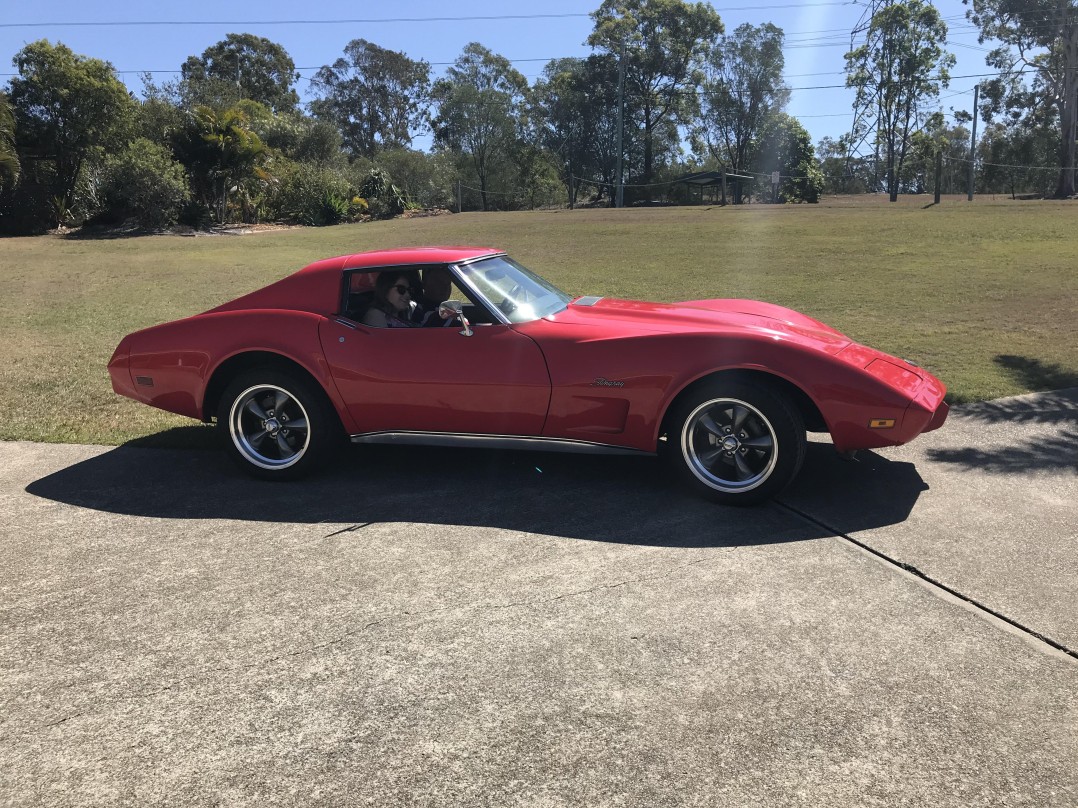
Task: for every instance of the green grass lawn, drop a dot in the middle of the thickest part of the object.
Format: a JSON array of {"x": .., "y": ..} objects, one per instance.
[{"x": 983, "y": 295}]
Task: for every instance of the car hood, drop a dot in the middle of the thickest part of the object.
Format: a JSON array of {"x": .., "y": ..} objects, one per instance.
[{"x": 719, "y": 315}]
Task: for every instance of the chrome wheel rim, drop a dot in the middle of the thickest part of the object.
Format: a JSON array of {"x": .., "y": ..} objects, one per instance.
[
  {"x": 269, "y": 427},
  {"x": 729, "y": 445}
]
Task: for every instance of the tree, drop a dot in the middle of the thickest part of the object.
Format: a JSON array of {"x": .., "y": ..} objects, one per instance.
[
  {"x": 743, "y": 90},
  {"x": 842, "y": 174},
  {"x": 9, "y": 157},
  {"x": 65, "y": 106},
  {"x": 1031, "y": 28},
  {"x": 901, "y": 66},
  {"x": 376, "y": 97},
  {"x": 240, "y": 66},
  {"x": 480, "y": 102},
  {"x": 426, "y": 180},
  {"x": 224, "y": 157},
  {"x": 1006, "y": 150},
  {"x": 786, "y": 147},
  {"x": 663, "y": 44},
  {"x": 304, "y": 139},
  {"x": 575, "y": 115}
]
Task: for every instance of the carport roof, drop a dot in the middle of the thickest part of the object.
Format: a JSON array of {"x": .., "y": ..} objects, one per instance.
[{"x": 710, "y": 177}]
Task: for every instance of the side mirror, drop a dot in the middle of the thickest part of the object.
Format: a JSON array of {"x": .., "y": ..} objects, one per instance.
[{"x": 454, "y": 308}]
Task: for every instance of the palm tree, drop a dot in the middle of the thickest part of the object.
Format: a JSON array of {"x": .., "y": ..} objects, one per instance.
[{"x": 9, "y": 158}]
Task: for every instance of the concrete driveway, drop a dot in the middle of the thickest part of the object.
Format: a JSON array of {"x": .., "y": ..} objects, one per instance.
[{"x": 424, "y": 627}]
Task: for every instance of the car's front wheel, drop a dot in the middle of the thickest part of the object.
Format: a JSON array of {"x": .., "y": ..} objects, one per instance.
[
  {"x": 736, "y": 442},
  {"x": 276, "y": 425}
]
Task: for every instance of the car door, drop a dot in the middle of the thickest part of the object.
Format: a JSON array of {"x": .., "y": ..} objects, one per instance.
[{"x": 494, "y": 382}]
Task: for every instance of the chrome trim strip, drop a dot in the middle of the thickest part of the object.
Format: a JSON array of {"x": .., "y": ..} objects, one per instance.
[
  {"x": 417, "y": 265},
  {"x": 469, "y": 440},
  {"x": 467, "y": 261},
  {"x": 345, "y": 323}
]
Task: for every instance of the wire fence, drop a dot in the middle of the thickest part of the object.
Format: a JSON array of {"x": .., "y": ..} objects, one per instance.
[{"x": 1006, "y": 177}]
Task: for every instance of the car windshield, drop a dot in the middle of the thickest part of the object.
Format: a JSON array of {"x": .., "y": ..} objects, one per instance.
[{"x": 519, "y": 294}]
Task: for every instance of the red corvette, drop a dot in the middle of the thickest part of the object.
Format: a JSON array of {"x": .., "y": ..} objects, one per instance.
[{"x": 724, "y": 389}]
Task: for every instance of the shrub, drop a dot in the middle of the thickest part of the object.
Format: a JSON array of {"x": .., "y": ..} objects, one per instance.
[
  {"x": 311, "y": 195},
  {"x": 144, "y": 182},
  {"x": 426, "y": 180},
  {"x": 384, "y": 199}
]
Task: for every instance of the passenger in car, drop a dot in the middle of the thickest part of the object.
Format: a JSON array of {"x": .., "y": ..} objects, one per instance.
[{"x": 392, "y": 304}]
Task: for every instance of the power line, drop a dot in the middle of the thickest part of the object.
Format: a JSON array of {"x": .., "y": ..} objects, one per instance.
[{"x": 367, "y": 21}]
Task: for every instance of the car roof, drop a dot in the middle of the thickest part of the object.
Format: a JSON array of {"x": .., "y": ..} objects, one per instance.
[
  {"x": 398, "y": 256},
  {"x": 416, "y": 255},
  {"x": 311, "y": 288}
]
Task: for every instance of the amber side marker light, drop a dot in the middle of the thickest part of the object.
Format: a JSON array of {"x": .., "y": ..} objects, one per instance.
[{"x": 881, "y": 423}]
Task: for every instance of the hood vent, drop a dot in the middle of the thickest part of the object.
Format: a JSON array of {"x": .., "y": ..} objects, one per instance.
[{"x": 591, "y": 300}]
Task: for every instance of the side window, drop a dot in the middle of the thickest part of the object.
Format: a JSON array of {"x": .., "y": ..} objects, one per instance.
[
  {"x": 429, "y": 287},
  {"x": 358, "y": 294}
]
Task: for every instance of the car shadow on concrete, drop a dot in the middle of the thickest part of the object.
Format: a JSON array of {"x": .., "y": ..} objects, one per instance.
[{"x": 596, "y": 498}]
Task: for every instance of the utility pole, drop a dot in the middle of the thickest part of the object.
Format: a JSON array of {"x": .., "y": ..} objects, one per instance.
[
  {"x": 939, "y": 175},
  {"x": 619, "y": 193},
  {"x": 572, "y": 190},
  {"x": 973, "y": 143}
]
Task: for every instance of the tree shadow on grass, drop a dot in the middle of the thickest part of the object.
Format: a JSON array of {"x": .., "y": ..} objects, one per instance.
[
  {"x": 625, "y": 500},
  {"x": 1037, "y": 375}
]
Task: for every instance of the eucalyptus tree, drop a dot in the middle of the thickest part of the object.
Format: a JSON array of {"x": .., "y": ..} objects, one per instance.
[
  {"x": 576, "y": 108},
  {"x": 1012, "y": 153},
  {"x": 376, "y": 97},
  {"x": 66, "y": 108},
  {"x": 664, "y": 45},
  {"x": 743, "y": 90},
  {"x": 1042, "y": 35},
  {"x": 482, "y": 102},
  {"x": 240, "y": 66},
  {"x": 899, "y": 70}
]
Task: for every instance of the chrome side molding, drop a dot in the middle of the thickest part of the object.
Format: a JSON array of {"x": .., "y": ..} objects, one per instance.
[{"x": 475, "y": 441}]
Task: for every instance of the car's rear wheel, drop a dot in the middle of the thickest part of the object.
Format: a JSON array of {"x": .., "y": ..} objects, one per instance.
[
  {"x": 736, "y": 442},
  {"x": 276, "y": 425}
]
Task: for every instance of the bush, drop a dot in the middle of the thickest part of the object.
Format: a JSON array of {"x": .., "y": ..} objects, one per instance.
[
  {"x": 144, "y": 182},
  {"x": 426, "y": 180},
  {"x": 384, "y": 199},
  {"x": 311, "y": 195}
]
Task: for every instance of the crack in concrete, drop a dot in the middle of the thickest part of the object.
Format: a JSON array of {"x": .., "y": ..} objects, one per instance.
[
  {"x": 350, "y": 529},
  {"x": 971, "y": 602}
]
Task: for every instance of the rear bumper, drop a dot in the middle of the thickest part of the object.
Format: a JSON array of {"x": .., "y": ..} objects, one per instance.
[{"x": 120, "y": 371}]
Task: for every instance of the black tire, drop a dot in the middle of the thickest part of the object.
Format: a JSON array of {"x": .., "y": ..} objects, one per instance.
[
  {"x": 735, "y": 442},
  {"x": 276, "y": 425}
]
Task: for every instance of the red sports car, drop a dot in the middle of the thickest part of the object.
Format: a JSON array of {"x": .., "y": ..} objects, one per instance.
[{"x": 357, "y": 346}]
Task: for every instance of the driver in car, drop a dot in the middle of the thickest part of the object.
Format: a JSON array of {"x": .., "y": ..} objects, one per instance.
[{"x": 437, "y": 288}]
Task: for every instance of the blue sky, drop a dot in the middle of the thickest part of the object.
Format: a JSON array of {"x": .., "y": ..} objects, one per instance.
[{"x": 817, "y": 36}]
